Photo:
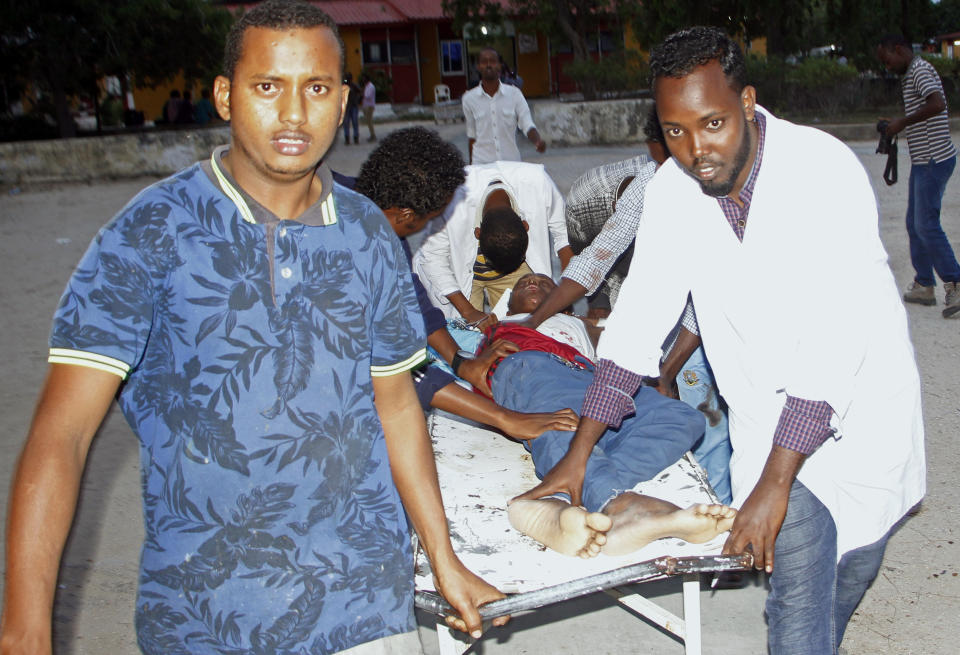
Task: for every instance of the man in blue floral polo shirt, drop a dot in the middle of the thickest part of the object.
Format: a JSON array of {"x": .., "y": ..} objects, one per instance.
[{"x": 256, "y": 322}]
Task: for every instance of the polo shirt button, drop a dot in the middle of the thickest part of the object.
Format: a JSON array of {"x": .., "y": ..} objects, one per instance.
[
  {"x": 283, "y": 231},
  {"x": 741, "y": 223},
  {"x": 285, "y": 272}
]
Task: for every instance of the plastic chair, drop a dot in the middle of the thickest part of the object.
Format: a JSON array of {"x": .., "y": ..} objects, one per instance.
[{"x": 441, "y": 93}]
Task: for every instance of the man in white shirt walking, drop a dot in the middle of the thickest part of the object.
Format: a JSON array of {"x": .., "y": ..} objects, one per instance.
[
  {"x": 493, "y": 112},
  {"x": 368, "y": 104}
]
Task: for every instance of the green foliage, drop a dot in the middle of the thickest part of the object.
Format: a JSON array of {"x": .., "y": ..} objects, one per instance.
[
  {"x": 111, "y": 111},
  {"x": 944, "y": 18},
  {"x": 818, "y": 85},
  {"x": 945, "y": 67},
  {"x": 949, "y": 72},
  {"x": 820, "y": 74},
  {"x": 622, "y": 71},
  {"x": 175, "y": 35},
  {"x": 652, "y": 21}
]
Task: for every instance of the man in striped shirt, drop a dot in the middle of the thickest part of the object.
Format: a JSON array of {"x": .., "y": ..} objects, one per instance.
[{"x": 932, "y": 160}]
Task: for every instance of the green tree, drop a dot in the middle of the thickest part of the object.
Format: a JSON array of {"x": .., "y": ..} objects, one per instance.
[
  {"x": 857, "y": 25},
  {"x": 945, "y": 17},
  {"x": 652, "y": 21},
  {"x": 63, "y": 47}
]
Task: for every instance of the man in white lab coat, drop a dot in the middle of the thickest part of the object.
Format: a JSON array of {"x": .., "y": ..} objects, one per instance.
[{"x": 822, "y": 386}]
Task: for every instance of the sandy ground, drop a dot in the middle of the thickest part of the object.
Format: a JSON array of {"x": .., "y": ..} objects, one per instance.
[{"x": 912, "y": 608}]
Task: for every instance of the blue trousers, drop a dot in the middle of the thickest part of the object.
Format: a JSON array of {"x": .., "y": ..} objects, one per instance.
[
  {"x": 930, "y": 249},
  {"x": 697, "y": 389},
  {"x": 656, "y": 436},
  {"x": 351, "y": 117},
  {"x": 812, "y": 597}
]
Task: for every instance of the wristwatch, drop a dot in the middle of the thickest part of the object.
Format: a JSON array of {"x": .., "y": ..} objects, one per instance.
[{"x": 459, "y": 358}]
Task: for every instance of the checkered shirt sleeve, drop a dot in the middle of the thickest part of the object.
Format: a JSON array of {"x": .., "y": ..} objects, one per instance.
[
  {"x": 598, "y": 237},
  {"x": 609, "y": 397},
  {"x": 803, "y": 425},
  {"x": 689, "y": 318}
]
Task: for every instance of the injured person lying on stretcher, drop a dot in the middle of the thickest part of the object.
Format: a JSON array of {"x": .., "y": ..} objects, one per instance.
[{"x": 552, "y": 370}]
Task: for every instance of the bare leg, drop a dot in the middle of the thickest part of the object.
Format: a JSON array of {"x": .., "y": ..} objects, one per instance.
[
  {"x": 638, "y": 520},
  {"x": 560, "y": 526}
]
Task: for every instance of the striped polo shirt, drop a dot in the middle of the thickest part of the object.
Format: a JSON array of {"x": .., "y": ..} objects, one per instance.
[{"x": 929, "y": 139}]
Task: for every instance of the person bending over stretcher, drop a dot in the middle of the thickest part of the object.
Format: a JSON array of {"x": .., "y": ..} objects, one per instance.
[{"x": 551, "y": 370}]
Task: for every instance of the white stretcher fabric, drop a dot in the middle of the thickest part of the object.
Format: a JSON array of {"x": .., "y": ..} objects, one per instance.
[{"x": 480, "y": 471}]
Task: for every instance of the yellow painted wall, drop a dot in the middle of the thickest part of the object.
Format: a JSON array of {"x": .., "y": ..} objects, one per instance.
[
  {"x": 428, "y": 43},
  {"x": 150, "y": 101},
  {"x": 353, "y": 58},
  {"x": 630, "y": 41},
  {"x": 534, "y": 68},
  {"x": 758, "y": 46}
]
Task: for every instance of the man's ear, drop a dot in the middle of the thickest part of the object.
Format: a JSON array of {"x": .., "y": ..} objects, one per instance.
[
  {"x": 476, "y": 232},
  {"x": 397, "y": 216},
  {"x": 221, "y": 96},
  {"x": 748, "y": 100},
  {"x": 526, "y": 226},
  {"x": 344, "y": 95}
]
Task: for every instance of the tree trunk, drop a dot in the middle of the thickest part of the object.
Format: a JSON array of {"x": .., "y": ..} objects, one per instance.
[
  {"x": 773, "y": 22},
  {"x": 578, "y": 42},
  {"x": 96, "y": 107},
  {"x": 125, "y": 90},
  {"x": 62, "y": 108}
]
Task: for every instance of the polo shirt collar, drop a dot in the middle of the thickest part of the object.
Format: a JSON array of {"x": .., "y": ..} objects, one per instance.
[{"x": 322, "y": 212}]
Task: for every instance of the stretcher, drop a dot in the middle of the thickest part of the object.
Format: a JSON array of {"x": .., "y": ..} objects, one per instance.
[{"x": 480, "y": 471}]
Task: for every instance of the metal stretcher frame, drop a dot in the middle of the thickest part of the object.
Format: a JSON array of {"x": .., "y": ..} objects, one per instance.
[{"x": 479, "y": 470}]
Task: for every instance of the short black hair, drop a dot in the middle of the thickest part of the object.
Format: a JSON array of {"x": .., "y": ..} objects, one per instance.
[
  {"x": 683, "y": 51},
  {"x": 412, "y": 168},
  {"x": 275, "y": 15},
  {"x": 651, "y": 127},
  {"x": 891, "y": 41},
  {"x": 503, "y": 240}
]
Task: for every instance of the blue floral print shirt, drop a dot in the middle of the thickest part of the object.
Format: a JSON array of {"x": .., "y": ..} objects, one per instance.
[{"x": 247, "y": 345}]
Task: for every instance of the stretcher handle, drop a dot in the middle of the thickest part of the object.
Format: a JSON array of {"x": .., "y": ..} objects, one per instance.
[{"x": 656, "y": 568}]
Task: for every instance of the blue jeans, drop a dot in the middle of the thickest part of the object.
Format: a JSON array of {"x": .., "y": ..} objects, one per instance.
[
  {"x": 812, "y": 596},
  {"x": 929, "y": 248},
  {"x": 351, "y": 117},
  {"x": 697, "y": 389},
  {"x": 653, "y": 438}
]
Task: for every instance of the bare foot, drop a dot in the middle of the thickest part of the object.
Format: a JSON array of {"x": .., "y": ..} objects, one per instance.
[
  {"x": 560, "y": 526},
  {"x": 638, "y": 520},
  {"x": 530, "y": 426}
]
